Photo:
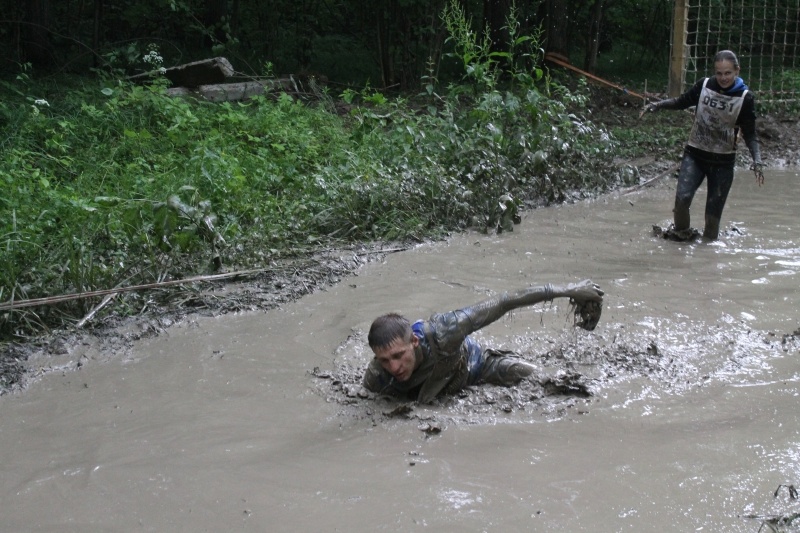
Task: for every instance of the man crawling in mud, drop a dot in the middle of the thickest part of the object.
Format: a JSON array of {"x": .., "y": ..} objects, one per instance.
[{"x": 422, "y": 360}]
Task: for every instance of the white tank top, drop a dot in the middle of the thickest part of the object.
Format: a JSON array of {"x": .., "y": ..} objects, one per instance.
[{"x": 715, "y": 121}]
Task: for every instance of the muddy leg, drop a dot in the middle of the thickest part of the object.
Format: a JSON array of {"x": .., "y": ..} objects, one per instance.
[
  {"x": 682, "y": 219},
  {"x": 720, "y": 179},
  {"x": 711, "y": 231},
  {"x": 505, "y": 370},
  {"x": 689, "y": 179}
]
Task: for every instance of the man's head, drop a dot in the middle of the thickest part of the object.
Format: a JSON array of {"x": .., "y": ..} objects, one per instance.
[{"x": 393, "y": 343}]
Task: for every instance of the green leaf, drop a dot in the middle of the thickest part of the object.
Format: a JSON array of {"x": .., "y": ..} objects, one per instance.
[{"x": 132, "y": 221}]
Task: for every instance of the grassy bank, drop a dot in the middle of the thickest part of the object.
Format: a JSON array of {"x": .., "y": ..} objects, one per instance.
[{"x": 110, "y": 184}]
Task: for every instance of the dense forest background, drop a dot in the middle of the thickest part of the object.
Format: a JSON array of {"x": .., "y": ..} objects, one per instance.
[{"x": 386, "y": 43}]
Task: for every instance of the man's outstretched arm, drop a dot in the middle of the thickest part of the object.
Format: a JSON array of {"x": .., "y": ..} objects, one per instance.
[{"x": 483, "y": 313}]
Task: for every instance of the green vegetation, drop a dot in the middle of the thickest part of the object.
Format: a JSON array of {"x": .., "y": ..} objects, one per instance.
[
  {"x": 656, "y": 133},
  {"x": 108, "y": 184}
]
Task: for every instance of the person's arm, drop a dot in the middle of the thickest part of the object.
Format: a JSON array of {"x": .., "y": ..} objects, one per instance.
[
  {"x": 684, "y": 101},
  {"x": 747, "y": 125},
  {"x": 469, "y": 319}
]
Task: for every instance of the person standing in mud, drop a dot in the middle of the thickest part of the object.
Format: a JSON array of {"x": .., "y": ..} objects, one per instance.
[
  {"x": 422, "y": 360},
  {"x": 724, "y": 106}
]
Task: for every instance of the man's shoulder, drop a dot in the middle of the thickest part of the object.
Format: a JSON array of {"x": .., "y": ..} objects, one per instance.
[{"x": 431, "y": 328}]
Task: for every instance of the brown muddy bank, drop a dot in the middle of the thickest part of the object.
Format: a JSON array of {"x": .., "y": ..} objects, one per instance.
[{"x": 282, "y": 282}]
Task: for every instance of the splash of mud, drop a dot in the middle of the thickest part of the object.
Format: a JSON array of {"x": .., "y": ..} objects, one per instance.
[
  {"x": 669, "y": 233},
  {"x": 571, "y": 370}
]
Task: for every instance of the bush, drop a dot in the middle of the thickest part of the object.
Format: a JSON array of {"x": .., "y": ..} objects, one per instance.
[{"x": 109, "y": 183}]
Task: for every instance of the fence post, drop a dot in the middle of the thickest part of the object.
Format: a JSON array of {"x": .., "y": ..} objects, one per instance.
[{"x": 677, "y": 57}]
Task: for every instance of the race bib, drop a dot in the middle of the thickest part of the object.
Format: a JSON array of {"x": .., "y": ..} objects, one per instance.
[{"x": 714, "y": 128}]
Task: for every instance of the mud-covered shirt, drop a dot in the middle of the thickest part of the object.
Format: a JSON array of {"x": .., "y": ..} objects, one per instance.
[
  {"x": 714, "y": 129},
  {"x": 447, "y": 358},
  {"x": 705, "y": 144}
]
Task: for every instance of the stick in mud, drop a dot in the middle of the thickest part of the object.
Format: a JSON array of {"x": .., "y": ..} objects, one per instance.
[{"x": 664, "y": 174}]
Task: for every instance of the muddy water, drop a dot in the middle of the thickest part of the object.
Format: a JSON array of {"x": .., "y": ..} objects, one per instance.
[{"x": 217, "y": 424}]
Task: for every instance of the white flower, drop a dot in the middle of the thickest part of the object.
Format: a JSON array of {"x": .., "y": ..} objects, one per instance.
[
  {"x": 153, "y": 58},
  {"x": 41, "y": 102}
]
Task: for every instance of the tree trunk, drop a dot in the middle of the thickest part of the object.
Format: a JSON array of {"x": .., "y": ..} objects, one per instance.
[
  {"x": 557, "y": 30},
  {"x": 385, "y": 58},
  {"x": 96, "y": 25},
  {"x": 304, "y": 22},
  {"x": 36, "y": 46},
  {"x": 213, "y": 15},
  {"x": 593, "y": 41},
  {"x": 234, "y": 18}
]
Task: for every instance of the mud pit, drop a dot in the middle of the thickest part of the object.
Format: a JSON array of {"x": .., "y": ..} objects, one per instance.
[{"x": 221, "y": 422}]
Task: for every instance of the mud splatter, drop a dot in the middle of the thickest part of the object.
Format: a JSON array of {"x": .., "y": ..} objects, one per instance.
[{"x": 571, "y": 372}]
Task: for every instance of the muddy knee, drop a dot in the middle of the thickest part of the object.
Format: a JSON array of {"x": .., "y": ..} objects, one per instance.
[
  {"x": 516, "y": 372},
  {"x": 507, "y": 371}
]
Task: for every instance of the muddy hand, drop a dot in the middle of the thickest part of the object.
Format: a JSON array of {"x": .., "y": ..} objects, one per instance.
[
  {"x": 758, "y": 168},
  {"x": 587, "y": 299},
  {"x": 649, "y": 108},
  {"x": 586, "y": 290}
]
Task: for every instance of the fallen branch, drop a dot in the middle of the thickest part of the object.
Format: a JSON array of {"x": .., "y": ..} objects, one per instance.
[
  {"x": 94, "y": 311},
  {"x": 564, "y": 62},
  {"x": 50, "y": 300},
  {"x": 664, "y": 174}
]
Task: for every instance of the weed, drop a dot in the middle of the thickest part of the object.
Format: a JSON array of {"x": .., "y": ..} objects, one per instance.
[{"x": 111, "y": 183}]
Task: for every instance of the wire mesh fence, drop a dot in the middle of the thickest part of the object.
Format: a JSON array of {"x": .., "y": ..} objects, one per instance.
[{"x": 765, "y": 34}]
